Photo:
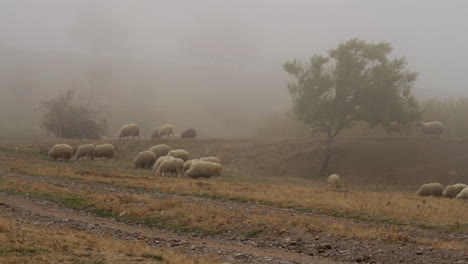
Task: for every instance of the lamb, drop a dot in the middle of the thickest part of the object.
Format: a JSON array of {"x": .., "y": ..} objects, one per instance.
[
  {"x": 172, "y": 166},
  {"x": 166, "y": 130},
  {"x": 451, "y": 191},
  {"x": 204, "y": 169},
  {"x": 104, "y": 151},
  {"x": 432, "y": 128},
  {"x": 430, "y": 189},
  {"x": 335, "y": 180},
  {"x": 85, "y": 151},
  {"x": 179, "y": 153},
  {"x": 189, "y": 163},
  {"x": 159, "y": 161},
  {"x": 144, "y": 159},
  {"x": 211, "y": 159},
  {"x": 130, "y": 130},
  {"x": 61, "y": 151},
  {"x": 463, "y": 194},
  {"x": 189, "y": 133},
  {"x": 160, "y": 150}
]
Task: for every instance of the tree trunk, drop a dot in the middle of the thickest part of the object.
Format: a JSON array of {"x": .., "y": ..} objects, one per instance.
[{"x": 328, "y": 154}]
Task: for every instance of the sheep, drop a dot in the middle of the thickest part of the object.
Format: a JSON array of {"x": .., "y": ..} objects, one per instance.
[
  {"x": 85, "y": 151},
  {"x": 451, "y": 191},
  {"x": 430, "y": 189},
  {"x": 160, "y": 150},
  {"x": 335, "y": 180},
  {"x": 130, "y": 130},
  {"x": 432, "y": 128},
  {"x": 211, "y": 159},
  {"x": 189, "y": 163},
  {"x": 166, "y": 130},
  {"x": 204, "y": 169},
  {"x": 463, "y": 194},
  {"x": 393, "y": 127},
  {"x": 144, "y": 159},
  {"x": 173, "y": 165},
  {"x": 159, "y": 161},
  {"x": 179, "y": 153},
  {"x": 155, "y": 134},
  {"x": 61, "y": 151},
  {"x": 189, "y": 133},
  {"x": 104, "y": 151}
]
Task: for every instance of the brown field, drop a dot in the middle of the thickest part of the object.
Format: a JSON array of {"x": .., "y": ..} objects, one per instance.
[{"x": 270, "y": 205}]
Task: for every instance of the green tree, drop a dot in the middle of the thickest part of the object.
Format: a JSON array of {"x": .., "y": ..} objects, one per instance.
[{"x": 356, "y": 81}]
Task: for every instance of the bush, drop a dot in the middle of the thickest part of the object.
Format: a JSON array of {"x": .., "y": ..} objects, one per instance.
[{"x": 66, "y": 119}]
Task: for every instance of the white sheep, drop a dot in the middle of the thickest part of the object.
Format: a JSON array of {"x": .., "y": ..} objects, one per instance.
[
  {"x": 130, "y": 130},
  {"x": 335, "y": 181},
  {"x": 159, "y": 161},
  {"x": 170, "y": 166},
  {"x": 104, "y": 151},
  {"x": 452, "y": 191},
  {"x": 432, "y": 128},
  {"x": 144, "y": 159},
  {"x": 463, "y": 194},
  {"x": 61, "y": 151},
  {"x": 430, "y": 189},
  {"x": 85, "y": 151},
  {"x": 155, "y": 134},
  {"x": 179, "y": 153},
  {"x": 189, "y": 163},
  {"x": 166, "y": 130},
  {"x": 211, "y": 159},
  {"x": 204, "y": 169},
  {"x": 160, "y": 150}
]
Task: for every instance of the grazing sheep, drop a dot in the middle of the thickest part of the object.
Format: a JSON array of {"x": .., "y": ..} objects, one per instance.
[
  {"x": 189, "y": 163},
  {"x": 432, "y": 128},
  {"x": 166, "y": 130},
  {"x": 463, "y": 194},
  {"x": 160, "y": 150},
  {"x": 144, "y": 159},
  {"x": 189, "y": 133},
  {"x": 170, "y": 166},
  {"x": 204, "y": 169},
  {"x": 430, "y": 189},
  {"x": 159, "y": 161},
  {"x": 335, "y": 180},
  {"x": 106, "y": 151},
  {"x": 155, "y": 134},
  {"x": 393, "y": 127},
  {"x": 451, "y": 191},
  {"x": 211, "y": 159},
  {"x": 61, "y": 151},
  {"x": 85, "y": 151},
  {"x": 130, "y": 130},
  {"x": 179, "y": 153}
]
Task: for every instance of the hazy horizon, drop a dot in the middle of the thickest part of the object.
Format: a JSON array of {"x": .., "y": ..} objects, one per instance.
[{"x": 184, "y": 52}]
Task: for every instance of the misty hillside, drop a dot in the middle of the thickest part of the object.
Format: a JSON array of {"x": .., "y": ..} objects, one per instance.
[{"x": 215, "y": 100}]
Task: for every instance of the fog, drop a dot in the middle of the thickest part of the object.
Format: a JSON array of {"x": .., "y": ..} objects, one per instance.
[{"x": 212, "y": 65}]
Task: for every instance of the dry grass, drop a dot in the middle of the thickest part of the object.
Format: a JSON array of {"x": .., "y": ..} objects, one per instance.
[
  {"x": 388, "y": 206},
  {"x": 28, "y": 244},
  {"x": 177, "y": 214}
]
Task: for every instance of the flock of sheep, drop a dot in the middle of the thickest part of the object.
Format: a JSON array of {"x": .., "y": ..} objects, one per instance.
[
  {"x": 459, "y": 190},
  {"x": 163, "y": 160},
  {"x": 133, "y": 130}
]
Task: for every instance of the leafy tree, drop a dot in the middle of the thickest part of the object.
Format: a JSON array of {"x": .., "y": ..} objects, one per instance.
[
  {"x": 356, "y": 81},
  {"x": 66, "y": 119}
]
